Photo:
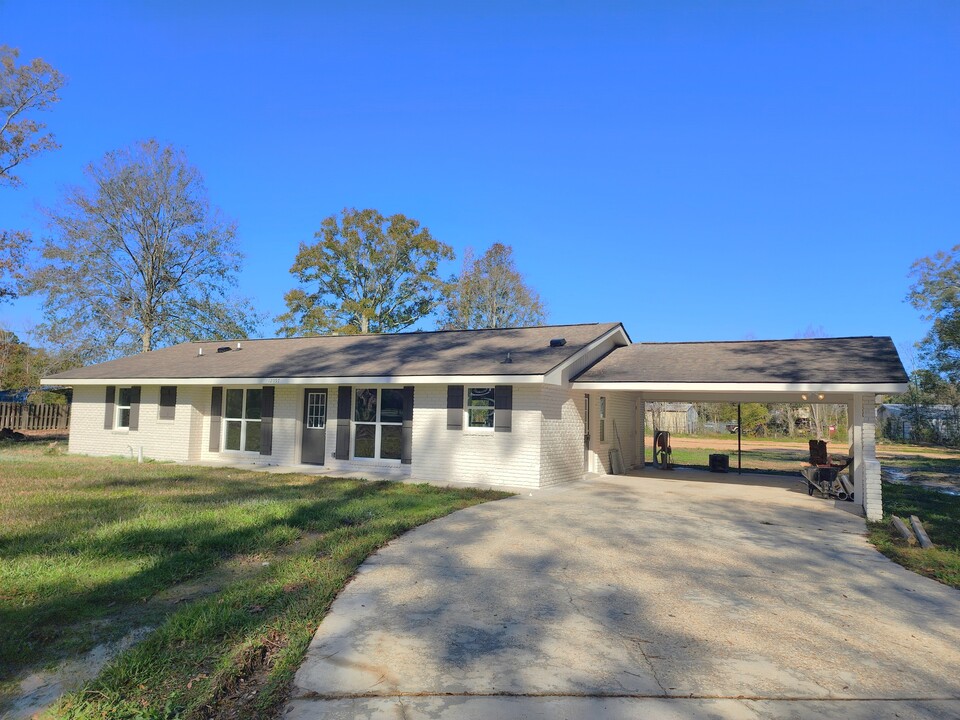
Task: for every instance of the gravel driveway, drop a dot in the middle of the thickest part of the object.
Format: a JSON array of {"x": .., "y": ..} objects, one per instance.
[{"x": 673, "y": 596}]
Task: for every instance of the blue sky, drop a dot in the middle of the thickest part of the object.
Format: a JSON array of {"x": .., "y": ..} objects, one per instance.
[{"x": 697, "y": 170}]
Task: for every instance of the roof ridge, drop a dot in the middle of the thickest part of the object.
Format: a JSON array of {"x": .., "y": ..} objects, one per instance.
[
  {"x": 765, "y": 340},
  {"x": 396, "y": 334}
]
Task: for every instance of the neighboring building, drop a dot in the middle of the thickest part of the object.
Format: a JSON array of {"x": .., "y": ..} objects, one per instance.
[
  {"x": 528, "y": 407},
  {"x": 673, "y": 417},
  {"x": 897, "y": 420}
]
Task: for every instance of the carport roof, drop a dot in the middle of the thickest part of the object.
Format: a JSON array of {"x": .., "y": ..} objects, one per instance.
[{"x": 849, "y": 361}]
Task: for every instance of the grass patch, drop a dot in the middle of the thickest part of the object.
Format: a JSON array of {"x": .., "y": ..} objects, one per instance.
[
  {"x": 940, "y": 514},
  {"x": 770, "y": 462},
  {"x": 88, "y": 542}
]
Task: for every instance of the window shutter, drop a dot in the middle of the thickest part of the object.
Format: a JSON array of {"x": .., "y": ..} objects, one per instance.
[
  {"x": 108, "y": 406},
  {"x": 135, "y": 408},
  {"x": 344, "y": 399},
  {"x": 503, "y": 408},
  {"x": 266, "y": 420},
  {"x": 216, "y": 411},
  {"x": 168, "y": 402},
  {"x": 406, "y": 430},
  {"x": 454, "y": 407}
]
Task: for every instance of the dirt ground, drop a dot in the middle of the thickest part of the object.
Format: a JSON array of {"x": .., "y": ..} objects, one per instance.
[{"x": 715, "y": 443}]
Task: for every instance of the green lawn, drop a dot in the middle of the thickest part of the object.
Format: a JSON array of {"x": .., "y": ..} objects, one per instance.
[
  {"x": 773, "y": 461},
  {"x": 940, "y": 514},
  {"x": 88, "y": 545}
]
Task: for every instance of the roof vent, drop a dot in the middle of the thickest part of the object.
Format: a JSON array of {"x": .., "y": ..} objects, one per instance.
[
  {"x": 200, "y": 352},
  {"x": 508, "y": 359},
  {"x": 224, "y": 348},
  {"x": 238, "y": 345},
  {"x": 558, "y": 342}
]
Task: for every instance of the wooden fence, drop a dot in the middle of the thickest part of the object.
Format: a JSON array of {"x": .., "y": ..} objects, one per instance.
[{"x": 23, "y": 418}]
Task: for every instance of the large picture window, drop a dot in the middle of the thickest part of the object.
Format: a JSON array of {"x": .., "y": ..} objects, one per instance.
[
  {"x": 241, "y": 419},
  {"x": 481, "y": 403},
  {"x": 377, "y": 423}
]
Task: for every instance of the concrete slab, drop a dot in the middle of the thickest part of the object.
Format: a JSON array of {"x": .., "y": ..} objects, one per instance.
[
  {"x": 571, "y": 708},
  {"x": 628, "y": 590}
]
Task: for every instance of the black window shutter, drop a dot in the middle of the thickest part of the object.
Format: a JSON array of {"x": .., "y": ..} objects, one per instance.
[
  {"x": 503, "y": 408},
  {"x": 108, "y": 406},
  {"x": 406, "y": 430},
  {"x": 135, "y": 408},
  {"x": 266, "y": 421},
  {"x": 454, "y": 407},
  {"x": 216, "y": 411},
  {"x": 344, "y": 399},
  {"x": 168, "y": 402}
]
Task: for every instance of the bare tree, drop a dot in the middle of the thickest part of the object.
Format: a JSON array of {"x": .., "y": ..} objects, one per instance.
[
  {"x": 139, "y": 259},
  {"x": 25, "y": 89},
  {"x": 490, "y": 293}
]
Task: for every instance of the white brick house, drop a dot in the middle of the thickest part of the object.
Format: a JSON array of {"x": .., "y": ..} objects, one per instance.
[{"x": 528, "y": 407}]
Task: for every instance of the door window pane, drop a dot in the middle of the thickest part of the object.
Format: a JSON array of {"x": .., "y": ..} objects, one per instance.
[
  {"x": 391, "y": 406},
  {"x": 234, "y": 404},
  {"x": 253, "y": 404},
  {"x": 364, "y": 441},
  {"x": 316, "y": 410},
  {"x": 390, "y": 442},
  {"x": 365, "y": 409},
  {"x": 232, "y": 441}
]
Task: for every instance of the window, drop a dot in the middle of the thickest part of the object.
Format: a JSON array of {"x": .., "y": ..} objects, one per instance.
[
  {"x": 168, "y": 402},
  {"x": 603, "y": 418},
  {"x": 316, "y": 410},
  {"x": 124, "y": 395},
  {"x": 377, "y": 423},
  {"x": 480, "y": 407},
  {"x": 241, "y": 419}
]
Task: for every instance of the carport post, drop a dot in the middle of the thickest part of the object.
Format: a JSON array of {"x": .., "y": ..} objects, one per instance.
[
  {"x": 641, "y": 443},
  {"x": 739, "y": 436},
  {"x": 866, "y": 467}
]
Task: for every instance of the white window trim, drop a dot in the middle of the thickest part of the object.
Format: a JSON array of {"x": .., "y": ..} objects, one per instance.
[
  {"x": 243, "y": 423},
  {"x": 378, "y": 424},
  {"x": 467, "y": 427},
  {"x": 117, "y": 408},
  {"x": 323, "y": 414}
]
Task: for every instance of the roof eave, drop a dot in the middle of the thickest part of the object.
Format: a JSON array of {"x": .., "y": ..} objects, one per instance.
[{"x": 324, "y": 380}]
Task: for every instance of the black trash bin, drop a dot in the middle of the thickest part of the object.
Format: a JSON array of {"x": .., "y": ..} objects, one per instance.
[{"x": 719, "y": 463}]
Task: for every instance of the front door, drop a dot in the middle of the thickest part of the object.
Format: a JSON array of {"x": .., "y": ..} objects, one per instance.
[{"x": 314, "y": 435}]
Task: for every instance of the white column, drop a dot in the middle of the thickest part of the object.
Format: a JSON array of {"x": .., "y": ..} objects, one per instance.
[
  {"x": 866, "y": 467},
  {"x": 641, "y": 432}
]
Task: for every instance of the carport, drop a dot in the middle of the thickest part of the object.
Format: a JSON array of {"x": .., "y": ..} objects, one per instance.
[{"x": 850, "y": 371}]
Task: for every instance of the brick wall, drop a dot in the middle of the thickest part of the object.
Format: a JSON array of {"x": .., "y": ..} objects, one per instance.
[
  {"x": 561, "y": 435},
  {"x": 474, "y": 455},
  {"x": 160, "y": 439}
]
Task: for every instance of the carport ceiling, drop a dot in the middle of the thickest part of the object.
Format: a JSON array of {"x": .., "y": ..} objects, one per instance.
[{"x": 758, "y": 370}]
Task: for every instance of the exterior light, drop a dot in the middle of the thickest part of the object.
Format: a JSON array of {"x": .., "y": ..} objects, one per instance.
[
  {"x": 803, "y": 396},
  {"x": 819, "y": 396}
]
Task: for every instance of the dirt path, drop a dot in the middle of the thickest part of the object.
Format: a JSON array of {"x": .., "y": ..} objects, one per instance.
[{"x": 714, "y": 443}]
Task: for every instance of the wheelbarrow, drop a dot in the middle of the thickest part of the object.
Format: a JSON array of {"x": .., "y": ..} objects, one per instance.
[{"x": 829, "y": 480}]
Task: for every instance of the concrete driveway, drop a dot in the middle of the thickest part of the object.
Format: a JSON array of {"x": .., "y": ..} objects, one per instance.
[{"x": 661, "y": 597}]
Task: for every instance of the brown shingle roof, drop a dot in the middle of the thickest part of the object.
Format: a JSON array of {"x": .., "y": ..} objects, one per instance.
[
  {"x": 852, "y": 360},
  {"x": 453, "y": 352}
]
